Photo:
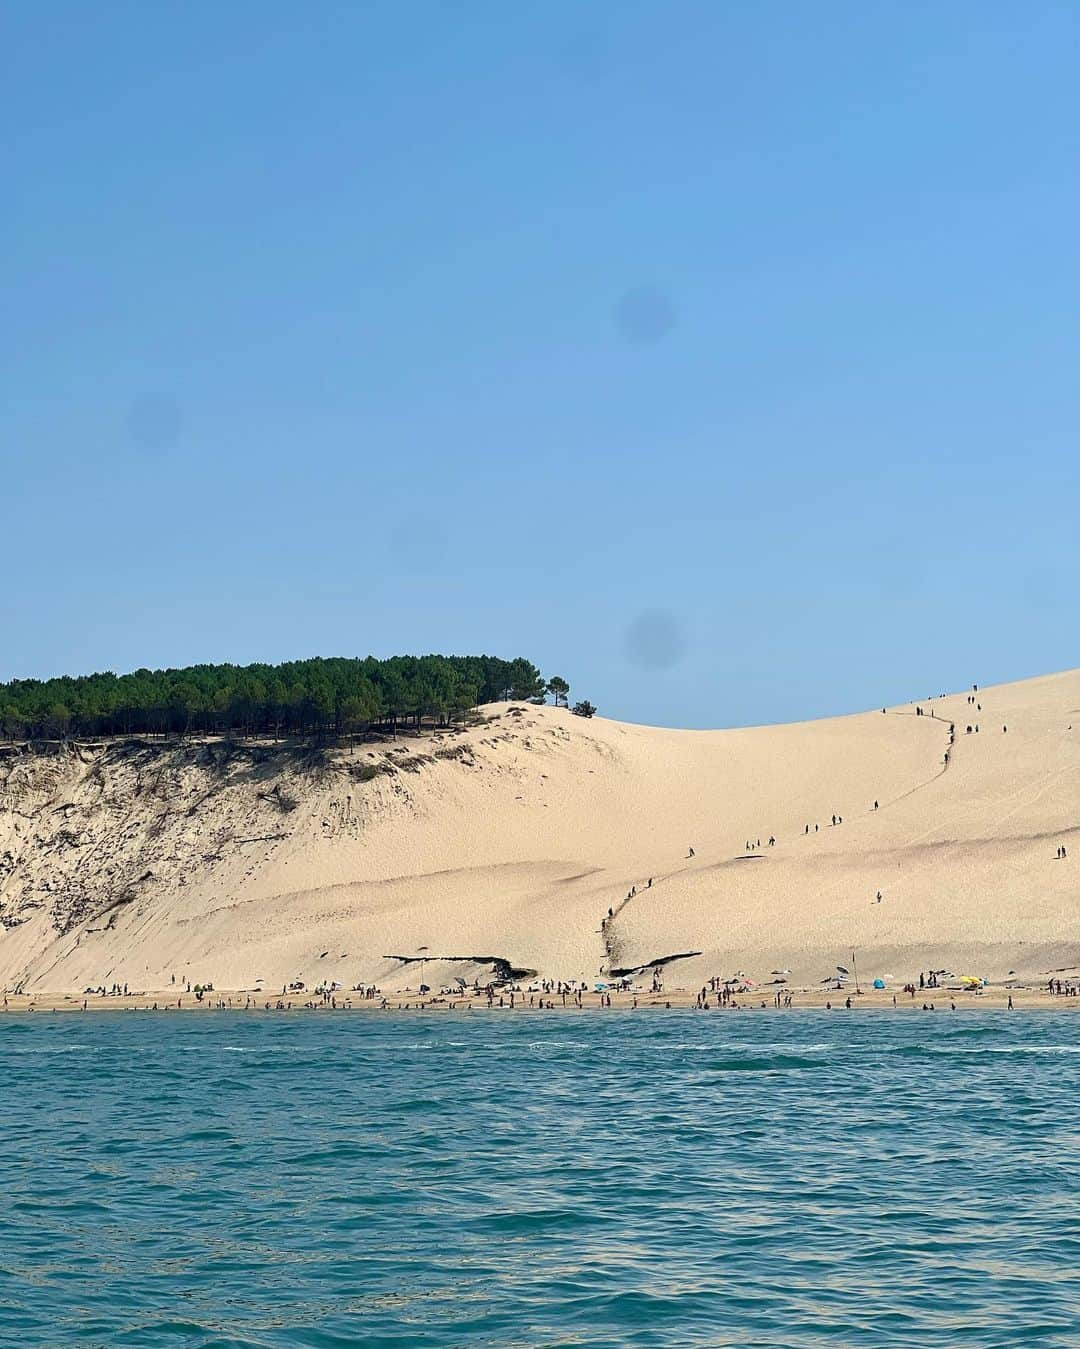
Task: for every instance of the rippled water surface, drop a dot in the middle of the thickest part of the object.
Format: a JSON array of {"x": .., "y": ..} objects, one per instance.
[{"x": 595, "y": 1178}]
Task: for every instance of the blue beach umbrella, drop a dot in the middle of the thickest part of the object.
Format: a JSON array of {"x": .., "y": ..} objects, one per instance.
[{"x": 879, "y": 983}]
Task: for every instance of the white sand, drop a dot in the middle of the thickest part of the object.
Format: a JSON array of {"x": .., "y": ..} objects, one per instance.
[{"x": 517, "y": 847}]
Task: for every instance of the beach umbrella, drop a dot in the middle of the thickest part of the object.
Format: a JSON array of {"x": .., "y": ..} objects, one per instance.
[
  {"x": 879, "y": 983},
  {"x": 971, "y": 981},
  {"x": 842, "y": 969}
]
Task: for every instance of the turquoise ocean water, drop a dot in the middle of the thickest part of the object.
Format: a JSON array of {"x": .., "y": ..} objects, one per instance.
[{"x": 595, "y": 1178}]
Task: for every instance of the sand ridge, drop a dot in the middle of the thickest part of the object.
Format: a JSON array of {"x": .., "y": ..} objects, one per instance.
[{"x": 512, "y": 839}]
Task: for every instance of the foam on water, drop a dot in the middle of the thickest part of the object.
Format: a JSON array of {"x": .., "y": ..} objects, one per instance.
[{"x": 595, "y": 1179}]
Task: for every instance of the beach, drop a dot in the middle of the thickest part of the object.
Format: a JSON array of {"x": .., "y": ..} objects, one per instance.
[{"x": 940, "y": 999}]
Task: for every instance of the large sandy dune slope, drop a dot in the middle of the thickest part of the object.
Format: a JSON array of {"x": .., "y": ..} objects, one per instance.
[{"x": 513, "y": 838}]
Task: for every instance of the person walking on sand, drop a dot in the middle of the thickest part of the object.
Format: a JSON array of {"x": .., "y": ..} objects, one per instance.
[{"x": 691, "y": 852}]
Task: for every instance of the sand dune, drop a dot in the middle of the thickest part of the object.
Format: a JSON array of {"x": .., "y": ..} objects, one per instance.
[{"x": 510, "y": 840}]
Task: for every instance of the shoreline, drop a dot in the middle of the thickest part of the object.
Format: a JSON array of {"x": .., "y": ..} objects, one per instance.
[{"x": 931, "y": 999}]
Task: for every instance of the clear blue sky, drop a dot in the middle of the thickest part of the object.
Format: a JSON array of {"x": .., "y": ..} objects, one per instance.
[{"x": 721, "y": 357}]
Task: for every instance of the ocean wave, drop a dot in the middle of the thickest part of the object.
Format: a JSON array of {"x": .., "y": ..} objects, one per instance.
[{"x": 47, "y": 1049}]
